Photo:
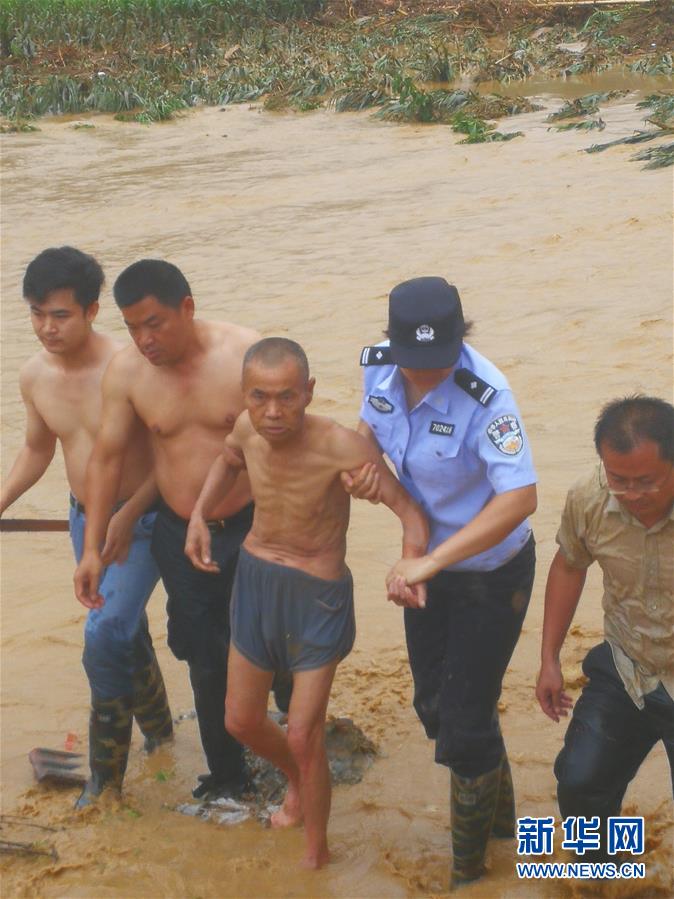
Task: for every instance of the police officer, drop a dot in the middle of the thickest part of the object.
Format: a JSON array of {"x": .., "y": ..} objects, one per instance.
[{"x": 447, "y": 420}]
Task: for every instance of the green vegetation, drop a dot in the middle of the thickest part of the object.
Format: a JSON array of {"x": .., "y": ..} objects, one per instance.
[
  {"x": 582, "y": 106},
  {"x": 658, "y": 157},
  {"x": 148, "y": 59},
  {"x": 662, "y": 105}
]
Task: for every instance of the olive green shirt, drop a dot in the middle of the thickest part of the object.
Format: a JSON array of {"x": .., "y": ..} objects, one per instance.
[{"x": 638, "y": 567}]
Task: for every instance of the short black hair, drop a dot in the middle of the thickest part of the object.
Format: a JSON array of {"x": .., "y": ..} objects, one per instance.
[
  {"x": 63, "y": 268},
  {"x": 151, "y": 277},
  {"x": 271, "y": 351},
  {"x": 624, "y": 423}
]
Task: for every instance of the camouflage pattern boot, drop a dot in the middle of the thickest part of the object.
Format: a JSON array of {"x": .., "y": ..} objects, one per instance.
[
  {"x": 109, "y": 740},
  {"x": 473, "y": 801},
  {"x": 504, "y": 816},
  {"x": 150, "y": 704}
]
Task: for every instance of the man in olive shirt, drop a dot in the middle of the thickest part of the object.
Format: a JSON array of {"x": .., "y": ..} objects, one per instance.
[{"x": 621, "y": 516}]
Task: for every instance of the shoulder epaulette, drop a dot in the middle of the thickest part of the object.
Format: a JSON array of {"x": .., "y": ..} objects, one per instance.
[
  {"x": 480, "y": 391},
  {"x": 376, "y": 355}
]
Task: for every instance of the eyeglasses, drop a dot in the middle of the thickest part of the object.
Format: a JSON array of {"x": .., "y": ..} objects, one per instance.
[{"x": 617, "y": 486}]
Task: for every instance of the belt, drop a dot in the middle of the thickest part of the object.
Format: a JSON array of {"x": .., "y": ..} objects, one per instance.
[
  {"x": 79, "y": 507},
  {"x": 214, "y": 524}
]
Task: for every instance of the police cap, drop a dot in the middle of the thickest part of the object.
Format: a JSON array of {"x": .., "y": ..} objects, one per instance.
[{"x": 425, "y": 324}]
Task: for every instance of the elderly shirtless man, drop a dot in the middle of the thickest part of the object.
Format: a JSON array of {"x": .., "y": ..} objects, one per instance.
[
  {"x": 182, "y": 380},
  {"x": 61, "y": 390},
  {"x": 292, "y": 606}
]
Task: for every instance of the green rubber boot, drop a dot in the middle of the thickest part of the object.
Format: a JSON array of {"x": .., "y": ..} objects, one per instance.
[
  {"x": 109, "y": 740},
  {"x": 504, "y": 816},
  {"x": 473, "y": 802},
  {"x": 150, "y": 704}
]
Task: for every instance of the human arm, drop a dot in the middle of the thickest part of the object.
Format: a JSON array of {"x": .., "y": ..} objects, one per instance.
[
  {"x": 104, "y": 472},
  {"x": 120, "y": 528},
  {"x": 219, "y": 481},
  {"x": 499, "y": 517},
  {"x": 364, "y": 482},
  {"x": 364, "y": 449},
  {"x": 35, "y": 454},
  {"x": 562, "y": 593}
]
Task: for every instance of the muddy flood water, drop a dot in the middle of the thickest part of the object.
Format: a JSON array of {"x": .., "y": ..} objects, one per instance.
[{"x": 300, "y": 225}]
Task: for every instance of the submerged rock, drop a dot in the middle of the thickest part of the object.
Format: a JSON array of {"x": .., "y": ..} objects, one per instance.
[{"x": 350, "y": 754}]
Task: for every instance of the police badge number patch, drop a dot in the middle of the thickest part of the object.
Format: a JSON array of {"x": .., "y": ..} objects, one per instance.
[
  {"x": 506, "y": 435},
  {"x": 381, "y": 404},
  {"x": 442, "y": 428}
]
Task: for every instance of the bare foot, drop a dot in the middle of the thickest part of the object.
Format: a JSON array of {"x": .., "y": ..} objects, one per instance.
[
  {"x": 290, "y": 813},
  {"x": 316, "y": 860}
]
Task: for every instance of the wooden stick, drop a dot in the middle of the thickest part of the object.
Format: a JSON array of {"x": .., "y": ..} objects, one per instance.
[{"x": 8, "y": 525}]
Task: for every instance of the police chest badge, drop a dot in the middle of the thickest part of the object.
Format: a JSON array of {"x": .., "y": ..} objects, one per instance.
[
  {"x": 380, "y": 403},
  {"x": 506, "y": 435}
]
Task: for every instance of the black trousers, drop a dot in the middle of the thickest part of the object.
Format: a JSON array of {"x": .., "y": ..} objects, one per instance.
[
  {"x": 198, "y": 625},
  {"x": 459, "y": 647},
  {"x": 606, "y": 741}
]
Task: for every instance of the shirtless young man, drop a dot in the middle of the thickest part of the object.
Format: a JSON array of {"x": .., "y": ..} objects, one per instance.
[
  {"x": 61, "y": 390},
  {"x": 292, "y": 605},
  {"x": 182, "y": 380}
]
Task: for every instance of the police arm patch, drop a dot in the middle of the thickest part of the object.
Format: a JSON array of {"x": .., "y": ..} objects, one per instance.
[
  {"x": 506, "y": 435},
  {"x": 381, "y": 404}
]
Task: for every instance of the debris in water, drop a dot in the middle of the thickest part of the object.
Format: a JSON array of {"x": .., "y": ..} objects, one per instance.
[
  {"x": 8, "y": 847},
  {"x": 222, "y": 811},
  {"x": 586, "y": 125},
  {"x": 57, "y": 766},
  {"x": 638, "y": 138},
  {"x": 658, "y": 157},
  {"x": 350, "y": 754},
  {"x": 25, "y": 847}
]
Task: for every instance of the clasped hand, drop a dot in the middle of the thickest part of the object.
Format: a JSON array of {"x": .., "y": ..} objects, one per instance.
[{"x": 404, "y": 583}]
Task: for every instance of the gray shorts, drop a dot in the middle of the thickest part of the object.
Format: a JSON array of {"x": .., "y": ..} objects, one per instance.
[{"x": 283, "y": 619}]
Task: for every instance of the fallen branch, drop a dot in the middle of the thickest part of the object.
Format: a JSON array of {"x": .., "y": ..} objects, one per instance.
[{"x": 14, "y": 848}]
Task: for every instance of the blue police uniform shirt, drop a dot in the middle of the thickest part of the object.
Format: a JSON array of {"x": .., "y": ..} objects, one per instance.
[{"x": 453, "y": 453}]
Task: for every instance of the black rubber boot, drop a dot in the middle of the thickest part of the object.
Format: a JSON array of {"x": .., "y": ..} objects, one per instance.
[
  {"x": 504, "y": 815},
  {"x": 473, "y": 803},
  {"x": 109, "y": 740}
]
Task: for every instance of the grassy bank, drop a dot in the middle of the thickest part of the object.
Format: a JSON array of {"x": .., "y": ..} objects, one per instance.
[{"x": 147, "y": 59}]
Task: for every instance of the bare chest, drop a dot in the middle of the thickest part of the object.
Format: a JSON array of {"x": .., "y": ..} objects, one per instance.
[
  {"x": 305, "y": 485},
  {"x": 170, "y": 404},
  {"x": 70, "y": 406}
]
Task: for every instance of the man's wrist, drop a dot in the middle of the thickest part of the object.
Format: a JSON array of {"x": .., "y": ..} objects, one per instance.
[
  {"x": 92, "y": 552},
  {"x": 413, "y": 550},
  {"x": 429, "y": 568},
  {"x": 549, "y": 657}
]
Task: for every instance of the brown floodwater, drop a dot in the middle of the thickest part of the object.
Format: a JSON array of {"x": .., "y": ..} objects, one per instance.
[{"x": 300, "y": 225}]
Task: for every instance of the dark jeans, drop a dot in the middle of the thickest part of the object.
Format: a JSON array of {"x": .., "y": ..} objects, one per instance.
[
  {"x": 198, "y": 625},
  {"x": 459, "y": 647},
  {"x": 607, "y": 740}
]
